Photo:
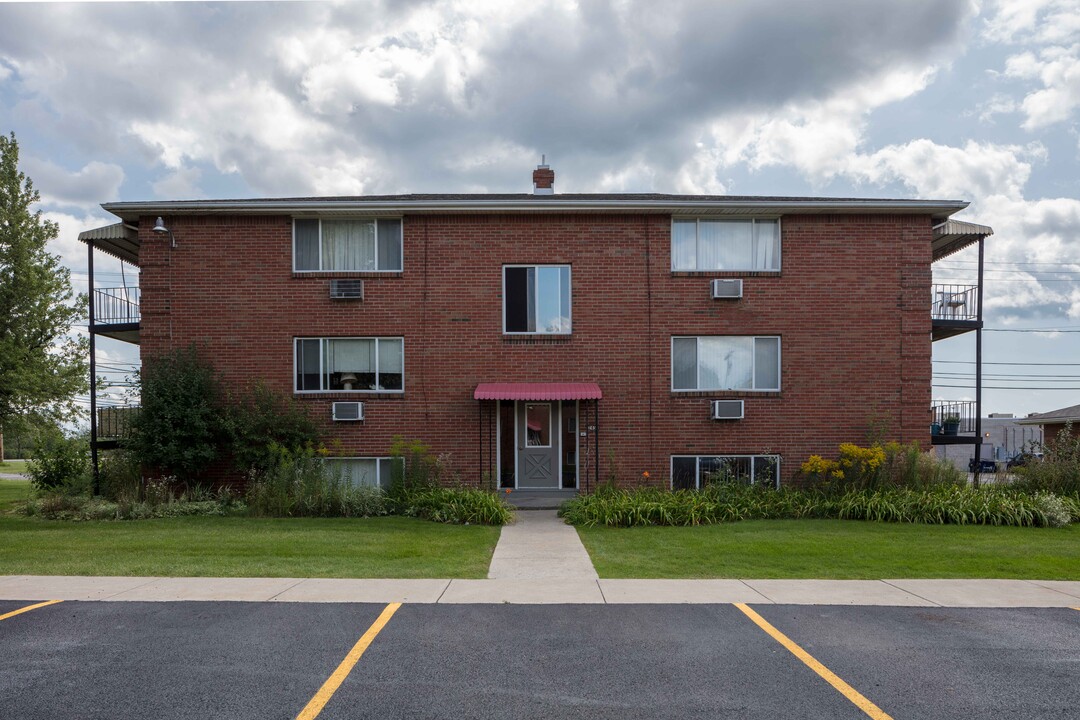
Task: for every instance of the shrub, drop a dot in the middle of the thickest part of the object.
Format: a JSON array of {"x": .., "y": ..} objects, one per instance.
[
  {"x": 59, "y": 507},
  {"x": 891, "y": 465},
  {"x": 61, "y": 464},
  {"x": 259, "y": 421},
  {"x": 943, "y": 504},
  {"x": 469, "y": 506},
  {"x": 179, "y": 426},
  {"x": 119, "y": 476},
  {"x": 1058, "y": 471},
  {"x": 301, "y": 484},
  {"x": 419, "y": 468}
]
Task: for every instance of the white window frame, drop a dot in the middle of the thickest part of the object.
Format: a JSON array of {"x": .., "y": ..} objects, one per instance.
[
  {"x": 374, "y": 220},
  {"x": 378, "y": 466},
  {"x": 753, "y": 364},
  {"x": 322, "y": 363},
  {"x": 536, "y": 300},
  {"x": 697, "y": 243},
  {"x": 778, "y": 459}
]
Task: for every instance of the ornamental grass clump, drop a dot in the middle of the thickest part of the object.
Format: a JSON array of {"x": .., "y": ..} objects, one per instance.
[
  {"x": 300, "y": 483},
  {"x": 418, "y": 489}
]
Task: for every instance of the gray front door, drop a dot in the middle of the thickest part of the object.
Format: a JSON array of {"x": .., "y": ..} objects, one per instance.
[{"x": 538, "y": 445}]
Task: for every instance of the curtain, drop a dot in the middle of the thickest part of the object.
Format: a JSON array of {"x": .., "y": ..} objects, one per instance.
[
  {"x": 726, "y": 363},
  {"x": 766, "y": 251},
  {"x": 767, "y": 363},
  {"x": 306, "y": 250},
  {"x": 350, "y": 356},
  {"x": 390, "y": 245},
  {"x": 684, "y": 364},
  {"x": 684, "y": 245},
  {"x": 348, "y": 244},
  {"x": 725, "y": 245}
]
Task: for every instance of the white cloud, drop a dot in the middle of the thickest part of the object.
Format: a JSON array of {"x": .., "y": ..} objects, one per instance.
[
  {"x": 1058, "y": 69},
  {"x": 181, "y": 184},
  {"x": 95, "y": 183}
]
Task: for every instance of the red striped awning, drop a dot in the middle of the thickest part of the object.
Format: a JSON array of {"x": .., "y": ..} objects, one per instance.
[{"x": 537, "y": 391}]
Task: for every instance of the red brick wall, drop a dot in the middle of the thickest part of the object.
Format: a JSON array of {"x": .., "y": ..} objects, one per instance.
[{"x": 852, "y": 305}]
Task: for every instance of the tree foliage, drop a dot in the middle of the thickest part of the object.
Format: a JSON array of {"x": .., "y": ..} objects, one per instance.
[
  {"x": 187, "y": 422},
  {"x": 41, "y": 366},
  {"x": 178, "y": 429}
]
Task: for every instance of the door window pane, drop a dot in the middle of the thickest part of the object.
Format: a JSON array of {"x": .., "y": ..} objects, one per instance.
[{"x": 538, "y": 425}]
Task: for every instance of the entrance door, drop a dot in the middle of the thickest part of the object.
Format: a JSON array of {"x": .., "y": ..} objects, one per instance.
[{"x": 538, "y": 445}]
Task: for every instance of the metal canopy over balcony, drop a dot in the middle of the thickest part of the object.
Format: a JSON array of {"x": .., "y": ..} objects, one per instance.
[
  {"x": 120, "y": 240},
  {"x": 954, "y": 235}
]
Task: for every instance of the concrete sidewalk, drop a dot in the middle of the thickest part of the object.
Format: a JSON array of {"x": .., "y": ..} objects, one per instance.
[
  {"x": 924, "y": 593},
  {"x": 540, "y": 546}
]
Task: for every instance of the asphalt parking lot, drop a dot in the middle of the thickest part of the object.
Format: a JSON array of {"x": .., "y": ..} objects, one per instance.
[{"x": 269, "y": 660}]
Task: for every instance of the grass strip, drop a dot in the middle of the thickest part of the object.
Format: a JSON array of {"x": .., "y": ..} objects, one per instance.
[{"x": 834, "y": 549}]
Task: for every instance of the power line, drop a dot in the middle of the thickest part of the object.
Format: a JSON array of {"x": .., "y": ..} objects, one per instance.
[
  {"x": 972, "y": 362},
  {"x": 1008, "y": 387}
]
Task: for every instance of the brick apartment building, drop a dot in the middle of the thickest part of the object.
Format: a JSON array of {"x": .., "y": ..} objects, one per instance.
[{"x": 551, "y": 340}]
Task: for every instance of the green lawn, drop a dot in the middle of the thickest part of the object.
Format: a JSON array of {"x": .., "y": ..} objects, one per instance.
[
  {"x": 13, "y": 466},
  {"x": 841, "y": 549},
  {"x": 389, "y": 547}
]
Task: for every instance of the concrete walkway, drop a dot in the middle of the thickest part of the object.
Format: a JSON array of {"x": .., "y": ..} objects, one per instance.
[
  {"x": 924, "y": 593},
  {"x": 540, "y": 546}
]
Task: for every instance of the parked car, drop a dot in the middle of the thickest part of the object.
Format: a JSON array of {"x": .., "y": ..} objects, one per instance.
[{"x": 986, "y": 466}]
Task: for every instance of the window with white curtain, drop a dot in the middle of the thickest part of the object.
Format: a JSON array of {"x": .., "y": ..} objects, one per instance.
[
  {"x": 692, "y": 472},
  {"x": 347, "y": 245},
  {"x": 725, "y": 362},
  {"x": 350, "y": 364},
  {"x": 722, "y": 244},
  {"x": 371, "y": 471}
]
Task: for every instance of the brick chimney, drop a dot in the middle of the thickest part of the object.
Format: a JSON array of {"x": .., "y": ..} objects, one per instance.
[{"x": 543, "y": 179}]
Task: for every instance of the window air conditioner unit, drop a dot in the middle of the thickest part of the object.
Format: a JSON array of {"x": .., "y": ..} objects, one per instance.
[
  {"x": 348, "y": 411},
  {"x": 347, "y": 289},
  {"x": 727, "y": 409},
  {"x": 727, "y": 289}
]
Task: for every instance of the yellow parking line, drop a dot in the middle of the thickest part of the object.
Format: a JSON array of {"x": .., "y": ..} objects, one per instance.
[
  {"x": 317, "y": 703},
  {"x": 829, "y": 676},
  {"x": 28, "y": 608}
]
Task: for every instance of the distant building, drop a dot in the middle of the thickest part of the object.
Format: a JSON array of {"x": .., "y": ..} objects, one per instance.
[{"x": 1054, "y": 422}]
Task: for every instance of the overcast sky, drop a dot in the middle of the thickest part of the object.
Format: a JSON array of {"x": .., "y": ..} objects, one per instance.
[{"x": 940, "y": 99}]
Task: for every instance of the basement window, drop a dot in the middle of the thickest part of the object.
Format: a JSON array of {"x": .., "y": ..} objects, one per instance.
[{"x": 693, "y": 472}]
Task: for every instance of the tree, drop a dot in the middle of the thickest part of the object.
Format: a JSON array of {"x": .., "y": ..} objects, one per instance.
[{"x": 42, "y": 366}]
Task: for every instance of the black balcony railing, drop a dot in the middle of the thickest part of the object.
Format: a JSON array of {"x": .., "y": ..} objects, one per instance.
[
  {"x": 954, "y": 417},
  {"x": 115, "y": 423},
  {"x": 116, "y": 306},
  {"x": 956, "y": 302}
]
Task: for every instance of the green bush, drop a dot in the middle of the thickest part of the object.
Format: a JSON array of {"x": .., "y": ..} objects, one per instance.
[
  {"x": 61, "y": 464},
  {"x": 468, "y": 506},
  {"x": 301, "y": 484},
  {"x": 258, "y": 422},
  {"x": 943, "y": 504},
  {"x": 119, "y": 475},
  {"x": 1058, "y": 471},
  {"x": 61, "y": 507},
  {"x": 179, "y": 428}
]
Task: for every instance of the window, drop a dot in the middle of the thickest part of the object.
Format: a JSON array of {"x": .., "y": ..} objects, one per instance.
[
  {"x": 350, "y": 364},
  {"x": 374, "y": 472},
  {"x": 692, "y": 472},
  {"x": 725, "y": 362},
  {"x": 347, "y": 245},
  {"x": 725, "y": 245},
  {"x": 536, "y": 299}
]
